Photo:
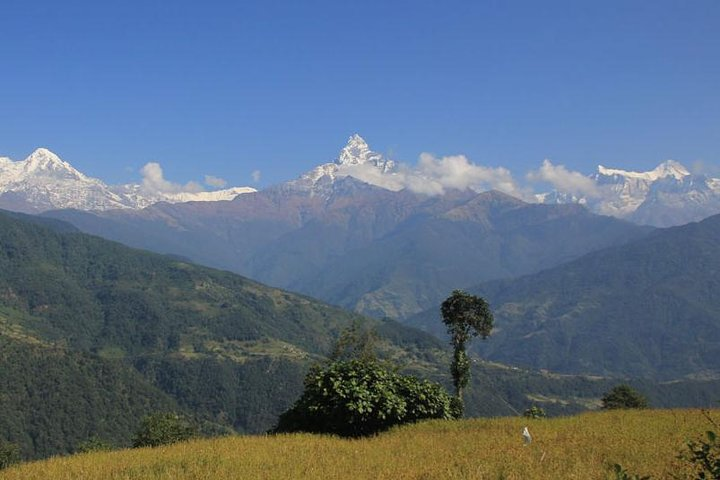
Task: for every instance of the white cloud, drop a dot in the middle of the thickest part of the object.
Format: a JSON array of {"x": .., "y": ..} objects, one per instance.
[
  {"x": 371, "y": 174},
  {"x": 458, "y": 172},
  {"x": 564, "y": 180},
  {"x": 433, "y": 176},
  {"x": 154, "y": 181},
  {"x": 216, "y": 182},
  {"x": 256, "y": 174}
]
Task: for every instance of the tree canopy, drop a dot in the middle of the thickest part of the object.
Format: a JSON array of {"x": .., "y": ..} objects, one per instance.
[
  {"x": 354, "y": 398},
  {"x": 623, "y": 396},
  {"x": 466, "y": 316}
]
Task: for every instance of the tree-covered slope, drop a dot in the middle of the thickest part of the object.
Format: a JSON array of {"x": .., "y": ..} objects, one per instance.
[
  {"x": 649, "y": 308},
  {"x": 229, "y": 350},
  {"x": 52, "y": 399}
]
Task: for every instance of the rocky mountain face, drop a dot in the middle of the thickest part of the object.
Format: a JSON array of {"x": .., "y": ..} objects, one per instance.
[
  {"x": 44, "y": 182},
  {"x": 366, "y": 248},
  {"x": 665, "y": 196}
]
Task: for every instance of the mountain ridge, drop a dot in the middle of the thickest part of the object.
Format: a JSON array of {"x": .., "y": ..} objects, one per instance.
[
  {"x": 645, "y": 308},
  {"x": 365, "y": 248},
  {"x": 43, "y": 181},
  {"x": 667, "y": 195}
]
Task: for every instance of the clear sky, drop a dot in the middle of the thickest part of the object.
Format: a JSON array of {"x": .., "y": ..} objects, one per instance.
[{"x": 225, "y": 88}]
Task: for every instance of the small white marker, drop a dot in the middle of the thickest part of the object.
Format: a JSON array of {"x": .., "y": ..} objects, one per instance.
[{"x": 526, "y": 435}]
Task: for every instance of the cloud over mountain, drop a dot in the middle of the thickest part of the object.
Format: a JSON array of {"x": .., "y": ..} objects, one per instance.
[
  {"x": 564, "y": 180},
  {"x": 153, "y": 180}
]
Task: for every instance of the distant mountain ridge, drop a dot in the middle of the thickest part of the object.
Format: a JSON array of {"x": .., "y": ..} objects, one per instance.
[
  {"x": 44, "y": 182},
  {"x": 376, "y": 251},
  {"x": 666, "y": 196}
]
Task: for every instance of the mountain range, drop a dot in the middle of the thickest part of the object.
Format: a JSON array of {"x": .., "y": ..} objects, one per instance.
[
  {"x": 665, "y": 196},
  {"x": 376, "y": 251},
  {"x": 379, "y": 251},
  {"x": 44, "y": 182}
]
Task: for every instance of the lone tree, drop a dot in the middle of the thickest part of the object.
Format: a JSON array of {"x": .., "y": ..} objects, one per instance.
[
  {"x": 623, "y": 396},
  {"x": 465, "y": 316}
]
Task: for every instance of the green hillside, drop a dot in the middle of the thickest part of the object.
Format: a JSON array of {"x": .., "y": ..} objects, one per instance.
[
  {"x": 230, "y": 351},
  {"x": 52, "y": 399}
]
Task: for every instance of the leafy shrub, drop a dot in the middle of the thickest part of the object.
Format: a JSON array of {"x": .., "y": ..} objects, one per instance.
[
  {"x": 9, "y": 454},
  {"x": 623, "y": 396},
  {"x": 94, "y": 444},
  {"x": 163, "y": 429},
  {"x": 534, "y": 412},
  {"x": 704, "y": 456},
  {"x": 359, "y": 397}
]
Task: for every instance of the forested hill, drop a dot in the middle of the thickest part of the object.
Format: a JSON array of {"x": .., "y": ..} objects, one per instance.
[{"x": 85, "y": 321}]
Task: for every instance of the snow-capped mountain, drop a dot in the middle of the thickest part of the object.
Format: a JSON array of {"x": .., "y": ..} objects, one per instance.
[
  {"x": 44, "y": 182},
  {"x": 665, "y": 196},
  {"x": 625, "y": 191},
  {"x": 355, "y": 160}
]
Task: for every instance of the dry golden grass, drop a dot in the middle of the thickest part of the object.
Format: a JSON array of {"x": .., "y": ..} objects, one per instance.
[{"x": 581, "y": 447}]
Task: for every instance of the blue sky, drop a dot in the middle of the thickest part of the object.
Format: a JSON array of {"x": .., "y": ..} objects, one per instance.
[{"x": 224, "y": 88}]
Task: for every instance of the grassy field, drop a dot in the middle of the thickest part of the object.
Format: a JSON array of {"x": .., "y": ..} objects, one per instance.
[{"x": 580, "y": 447}]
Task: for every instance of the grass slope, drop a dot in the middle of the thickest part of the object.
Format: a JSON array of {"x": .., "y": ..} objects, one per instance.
[{"x": 580, "y": 447}]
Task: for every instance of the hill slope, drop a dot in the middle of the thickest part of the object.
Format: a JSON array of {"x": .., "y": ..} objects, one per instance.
[
  {"x": 648, "y": 308},
  {"x": 229, "y": 350}
]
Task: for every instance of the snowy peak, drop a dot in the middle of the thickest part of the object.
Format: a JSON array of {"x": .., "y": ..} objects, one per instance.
[
  {"x": 357, "y": 152},
  {"x": 356, "y": 159},
  {"x": 43, "y": 158},
  {"x": 669, "y": 168},
  {"x": 44, "y": 162},
  {"x": 664, "y": 196},
  {"x": 43, "y": 182}
]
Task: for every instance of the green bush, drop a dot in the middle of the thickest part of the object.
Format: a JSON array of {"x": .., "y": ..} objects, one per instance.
[
  {"x": 534, "y": 412},
  {"x": 9, "y": 454},
  {"x": 94, "y": 444},
  {"x": 704, "y": 456},
  {"x": 163, "y": 429},
  {"x": 358, "y": 397},
  {"x": 623, "y": 396}
]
